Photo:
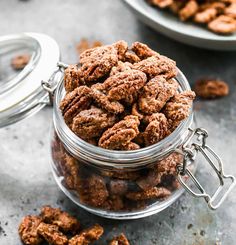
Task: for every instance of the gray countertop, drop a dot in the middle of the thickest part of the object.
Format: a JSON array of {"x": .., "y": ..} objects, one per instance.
[{"x": 26, "y": 181}]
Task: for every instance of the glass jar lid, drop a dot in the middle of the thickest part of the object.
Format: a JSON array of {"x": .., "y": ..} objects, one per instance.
[{"x": 21, "y": 92}]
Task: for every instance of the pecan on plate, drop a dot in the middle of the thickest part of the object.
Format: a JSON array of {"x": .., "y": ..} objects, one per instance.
[
  {"x": 211, "y": 88},
  {"x": 28, "y": 230},
  {"x": 63, "y": 220},
  {"x": 142, "y": 50},
  {"x": 157, "y": 65},
  {"x": 231, "y": 10},
  {"x": 223, "y": 25},
  {"x": 87, "y": 236},
  {"x": 121, "y": 134},
  {"x": 20, "y": 61},
  {"x": 52, "y": 234},
  {"x": 119, "y": 240},
  {"x": 92, "y": 122},
  {"x": 72, "y": 78},
  {"x": 74, "y": 102},
  {"x": 154, "y": 192},
  {"x": 156, "y": 93},
  {"x": 97, "y": 62},
  {"x": 156, "y": 130},
  {"x": 161, "y": 3},
  {"x": 206, "y": 15},
  {"x": 189, "y": 10},
  {"x": 178, "y": 108}
]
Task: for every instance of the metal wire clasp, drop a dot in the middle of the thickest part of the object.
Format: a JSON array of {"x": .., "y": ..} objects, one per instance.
[
  {"x": 49, "y": 85},
  {"x": 190, "y": 149}
]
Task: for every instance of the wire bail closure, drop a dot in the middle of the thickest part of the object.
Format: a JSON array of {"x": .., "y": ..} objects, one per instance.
[{"x": 190, "y": 149}]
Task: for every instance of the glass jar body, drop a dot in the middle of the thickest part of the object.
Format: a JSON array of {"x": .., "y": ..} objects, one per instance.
[{"x": 117, "y": 191}]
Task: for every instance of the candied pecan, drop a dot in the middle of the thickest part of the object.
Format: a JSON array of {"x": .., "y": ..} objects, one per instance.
[
  {"x": 97, "y": 62},
  {"x": 119, "y": 240},
  {"x": 156, "y": 130},
  {"x": 72, "y": 78},
  {"x": 176, "y": 6},
  {"x": 120, "y": 134},
  {"x": 231, "y": 10},
  {"x": 121, "y": 174},
  {"x": 84, "y": 44},
  {"x": 74, "y": 102},
  {"x": 121, "y": 47},
  {"x": 178, "y": 108},
  {"x": 165, "y": 167},
  {"x": 93, "y": 190},
  {"x": 63, "y": 220},
  {"x": 131, "y": 57},
  {"x": 70, "y": 171},
  {"x": 114, "y": 203},
  {"x": 211, "y": 88},
  {"x": 102, "y": 100},
  {"x": 124, "y": 85},
  {"x": 121, "y": 66},
  {"x": 130, "y": 147},
  {"x": 91, "y": 123},
  {"x": 161, "y": 3},
  {"x": 118, "y": 187},
  {"x": 206, "y": 15},
  {"x": 154, "y": 192},
  {"x": 142, "y": 50},
  {"x": 28, "y": 230},
  {"x": 87, "y": 236},
  {"x": 156, "y": 93},
  {"x": 20, "y": 61},
  {"x": 157, "y": 65},
  {"x": 223, "y": 25},
  {"x": 51, "y": 234},
  {"x": 189, "y": 10}
]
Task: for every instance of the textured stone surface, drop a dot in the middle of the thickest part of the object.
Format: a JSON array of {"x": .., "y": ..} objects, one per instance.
[{"x": 26, "y": 181}]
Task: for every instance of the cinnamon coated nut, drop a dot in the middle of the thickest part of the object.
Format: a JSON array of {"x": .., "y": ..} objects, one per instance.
[{"x": 119, "y": 240}]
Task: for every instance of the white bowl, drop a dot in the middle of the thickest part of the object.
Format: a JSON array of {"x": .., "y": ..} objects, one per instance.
[{"x": 186, "y": 32}]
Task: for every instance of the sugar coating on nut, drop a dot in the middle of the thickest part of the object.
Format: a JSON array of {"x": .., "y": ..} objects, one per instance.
[
  {"x": 92, "y": 122},
  {"x": 120, "y": 67},
  {"x": 210, "y": 88},
  {"x": 142, "y": 50},
  {"x": 121, "y": 47},
  {"x": 119, "y": 240},
  {"x": 63, "y": 220},
  {"x": 121, "y": 134},
  {"x": 52, "y": 234},
  {"x": 72, "y": 78},
  {"x": 28, "y": 230}
]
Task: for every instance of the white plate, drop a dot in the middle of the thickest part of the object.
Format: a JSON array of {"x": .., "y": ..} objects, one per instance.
[{"x": 189, "y": 33}]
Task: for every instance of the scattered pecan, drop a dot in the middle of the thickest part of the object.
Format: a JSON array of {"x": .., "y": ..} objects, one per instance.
[
  {"x": 155, "y": 192},
  {"x": 120, "y": 134},
  {"x": 52, "y": 234},
  {"x": 157, "y": 65},
  {"x": 156, "y": 130},
  {"x": 178, "y": 108},
  {"x": 63, "y": 220},
  {"x": 156, "y": 93},
  {"x": 72, "y": 78},
  {"x": 189, "y": 10},
  {"x": 142, "y": 50},
  {"x": 161, "y": 3},
  {"x": 211, "y": 88},
  {"x": 74, "y": 102},
  {"x": 84, "y": 44},
  {"x": 91, "y": 123},
  {"x": 97, "y": 62},
  {"x": 28, "y": 230},
  {"x": 87, "y": 236},
  {"x": 119, "y": 240},
  {"x": 20, "y": 61},
  {"x": 223, "y": 25}
]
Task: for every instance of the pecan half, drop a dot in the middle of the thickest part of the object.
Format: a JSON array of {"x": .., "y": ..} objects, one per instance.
[
  {"x": 120, "y": 134},
  {"x": 121, "y": 66},
  {"x": 210, "y": 88},
  {"x": 51, "y": 234},
  {"x": 28, "y": 230},
  {"x": 91, "y": 123},
  {"x": 119, "y": 240},
  {"x": 142, "y": 50},
  {"x": 63, "y": 220},
  {"x": 156, "y": 93},
  {"x": 178, "y": 108},
  {"x": 223, "y": 25},
  {"x": 72, "y": 78},
  {"x": 189, "y": 10},
  {"x": 74, "y": 102},
  {"x": 231, "y": 10},
  {"x": 206, "y": 15},
  {"x": 121, "y": 47},
  {"x": 97, "y": 62}
]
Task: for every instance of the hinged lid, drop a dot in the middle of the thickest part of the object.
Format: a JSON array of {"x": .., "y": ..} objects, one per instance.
[{"x": 21, "y": 93}]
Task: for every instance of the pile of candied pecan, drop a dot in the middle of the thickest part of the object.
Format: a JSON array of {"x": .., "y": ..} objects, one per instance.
[
  {"x": 57, "y": 227},
  {"x": 218, "y": 15},
  {"x": 123, "y": 99}
]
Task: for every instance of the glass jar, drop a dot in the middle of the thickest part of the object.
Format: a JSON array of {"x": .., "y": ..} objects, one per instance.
[{"x": 112, "y": 184}]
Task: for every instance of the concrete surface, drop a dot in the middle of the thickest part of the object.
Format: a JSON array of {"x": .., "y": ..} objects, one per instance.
[{"x": 26, "y": 181}]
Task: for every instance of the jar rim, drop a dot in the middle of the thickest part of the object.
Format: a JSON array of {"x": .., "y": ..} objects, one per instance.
[{"x": 109, "y": 158}]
